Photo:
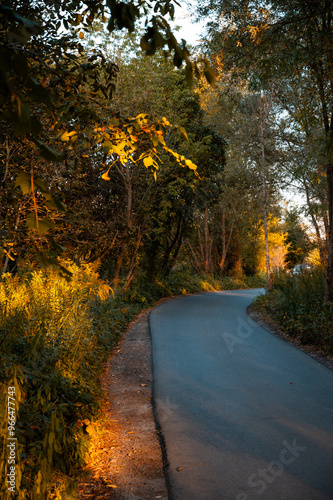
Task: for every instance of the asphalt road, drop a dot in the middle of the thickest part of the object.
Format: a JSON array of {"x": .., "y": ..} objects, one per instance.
[{"x": 244, "y": 414}]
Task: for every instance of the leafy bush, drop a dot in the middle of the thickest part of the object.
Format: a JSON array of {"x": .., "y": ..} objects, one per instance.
[
  {"x": 185, "y": 282},
  {"x": 296, "y": 302},
  {"x": 54, "y": 334}
]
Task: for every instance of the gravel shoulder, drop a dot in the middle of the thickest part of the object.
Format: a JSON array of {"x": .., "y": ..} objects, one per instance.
[{"x": 125, "y": 456}]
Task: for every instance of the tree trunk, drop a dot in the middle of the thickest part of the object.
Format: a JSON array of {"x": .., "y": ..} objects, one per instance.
[
  {"x": 328, "y": 299},
  {"x": 263, "y": 117},
  {"x": 9, "y": 256},
  {"x": 174, "y": 244},
  {"x": 207, "y": 244},
  {"x": 321, "y": 244},
  {"x": 175, "y": 255},
  {"x": 118, "y": 265},
  {"x": 196, "y": 262},
  {"x": 225, "y": 244},
  {"x": 133, "y": 263}
]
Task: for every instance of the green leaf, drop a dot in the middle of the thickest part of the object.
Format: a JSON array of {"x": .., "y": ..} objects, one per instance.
[
  {"x": 19, "y": 65},
  {"x": 107, "y": 146},
  {"x": 41, "y": 185},
  {"x": 53, "y": 202},
  {"x": 144, "y": 44},
  {"x": 32, "y": 27},
  {"x": 36, "y": 126},
  {"x": 14, "y": 120},
  {"x": 23, "y": 180},
  {"x": 49, "y": 153},
  {"x": 41, "y": 225}
]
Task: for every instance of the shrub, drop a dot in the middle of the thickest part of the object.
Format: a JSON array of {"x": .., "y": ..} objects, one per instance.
[
  {"x": 54, "y": 333},
  {"x": 296, "y": 302}
]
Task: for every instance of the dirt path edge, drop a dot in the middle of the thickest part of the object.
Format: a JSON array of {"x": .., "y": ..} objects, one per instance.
[{"x": 126, "y": 460}]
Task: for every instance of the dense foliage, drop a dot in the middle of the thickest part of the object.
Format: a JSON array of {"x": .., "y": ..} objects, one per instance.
[{"x": 296, "y": 304}]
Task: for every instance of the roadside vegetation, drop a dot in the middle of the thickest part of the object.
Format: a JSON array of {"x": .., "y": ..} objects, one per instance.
[{"x": 296, "y": 303}]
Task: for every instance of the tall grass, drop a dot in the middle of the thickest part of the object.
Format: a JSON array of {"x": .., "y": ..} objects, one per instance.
[
  {"x": 297, "y": 303},
  {"x": 54, "y": 335}
]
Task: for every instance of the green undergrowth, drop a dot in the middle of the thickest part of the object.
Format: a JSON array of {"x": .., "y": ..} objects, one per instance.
[
  {"x": 296, "y": 302},
  {"x": 185, "y": 282},
  {"x": 55, "y": 335}
]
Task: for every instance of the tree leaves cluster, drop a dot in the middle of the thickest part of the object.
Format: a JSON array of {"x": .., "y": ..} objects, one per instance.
[{"x": 56, "y": 110}]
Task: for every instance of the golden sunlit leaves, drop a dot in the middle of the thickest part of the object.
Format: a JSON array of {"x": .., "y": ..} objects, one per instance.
[
  {"x": 66, "y": 136},
  {"x": 121, "y": 140},
  {"x": 165, "y": 121},
  {"x": 105, "y": 176},
  {"x": 148, "y": 161},
  {"x": 183, "y": 131},
  {"x": 190, "y": 164}
]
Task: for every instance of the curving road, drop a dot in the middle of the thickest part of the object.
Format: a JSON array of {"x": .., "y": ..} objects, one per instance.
[{"x": 244, "y": 414}]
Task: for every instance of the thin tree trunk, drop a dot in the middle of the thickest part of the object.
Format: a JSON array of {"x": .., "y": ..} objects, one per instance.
[
  {"x": 133, "y": 264},
  {"x": 175, "y": 255},
  {"x": 8, "y": 256},
  {"x": 206, "y": 242},
  {"x": 225, "y": 244},
  {"x": 173, "y": 244},
  {"x": 120, "y": 258},
  {"x": 196, "y": 260},
  {"x": 328, "y": 299},
  {"x": 263, "y": 117},
  {"x": 118, "y": 266},
  {"x": 320, "y": 242},
  {"x": 202, "y": 252}
]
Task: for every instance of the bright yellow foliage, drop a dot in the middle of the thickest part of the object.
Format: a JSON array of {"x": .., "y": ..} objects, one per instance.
[
  {"x": 119, "y": 139},
  {"x": 277, "y": 246}
]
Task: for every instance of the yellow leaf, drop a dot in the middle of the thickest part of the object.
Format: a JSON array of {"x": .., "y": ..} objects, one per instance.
[
  {"x": 141, "y": 115},
  {"x": 190, "y": 164},
  {"x": 90, "y": 429},
  {"x": 105, "y": 176},
  {"x": 81, "y": 34},
  {"x": 183, "y": 131},
  {"x": 148, "y": 161},
  {"x": 8, "y": 254},
  {"x": 67, "y": 135}
]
